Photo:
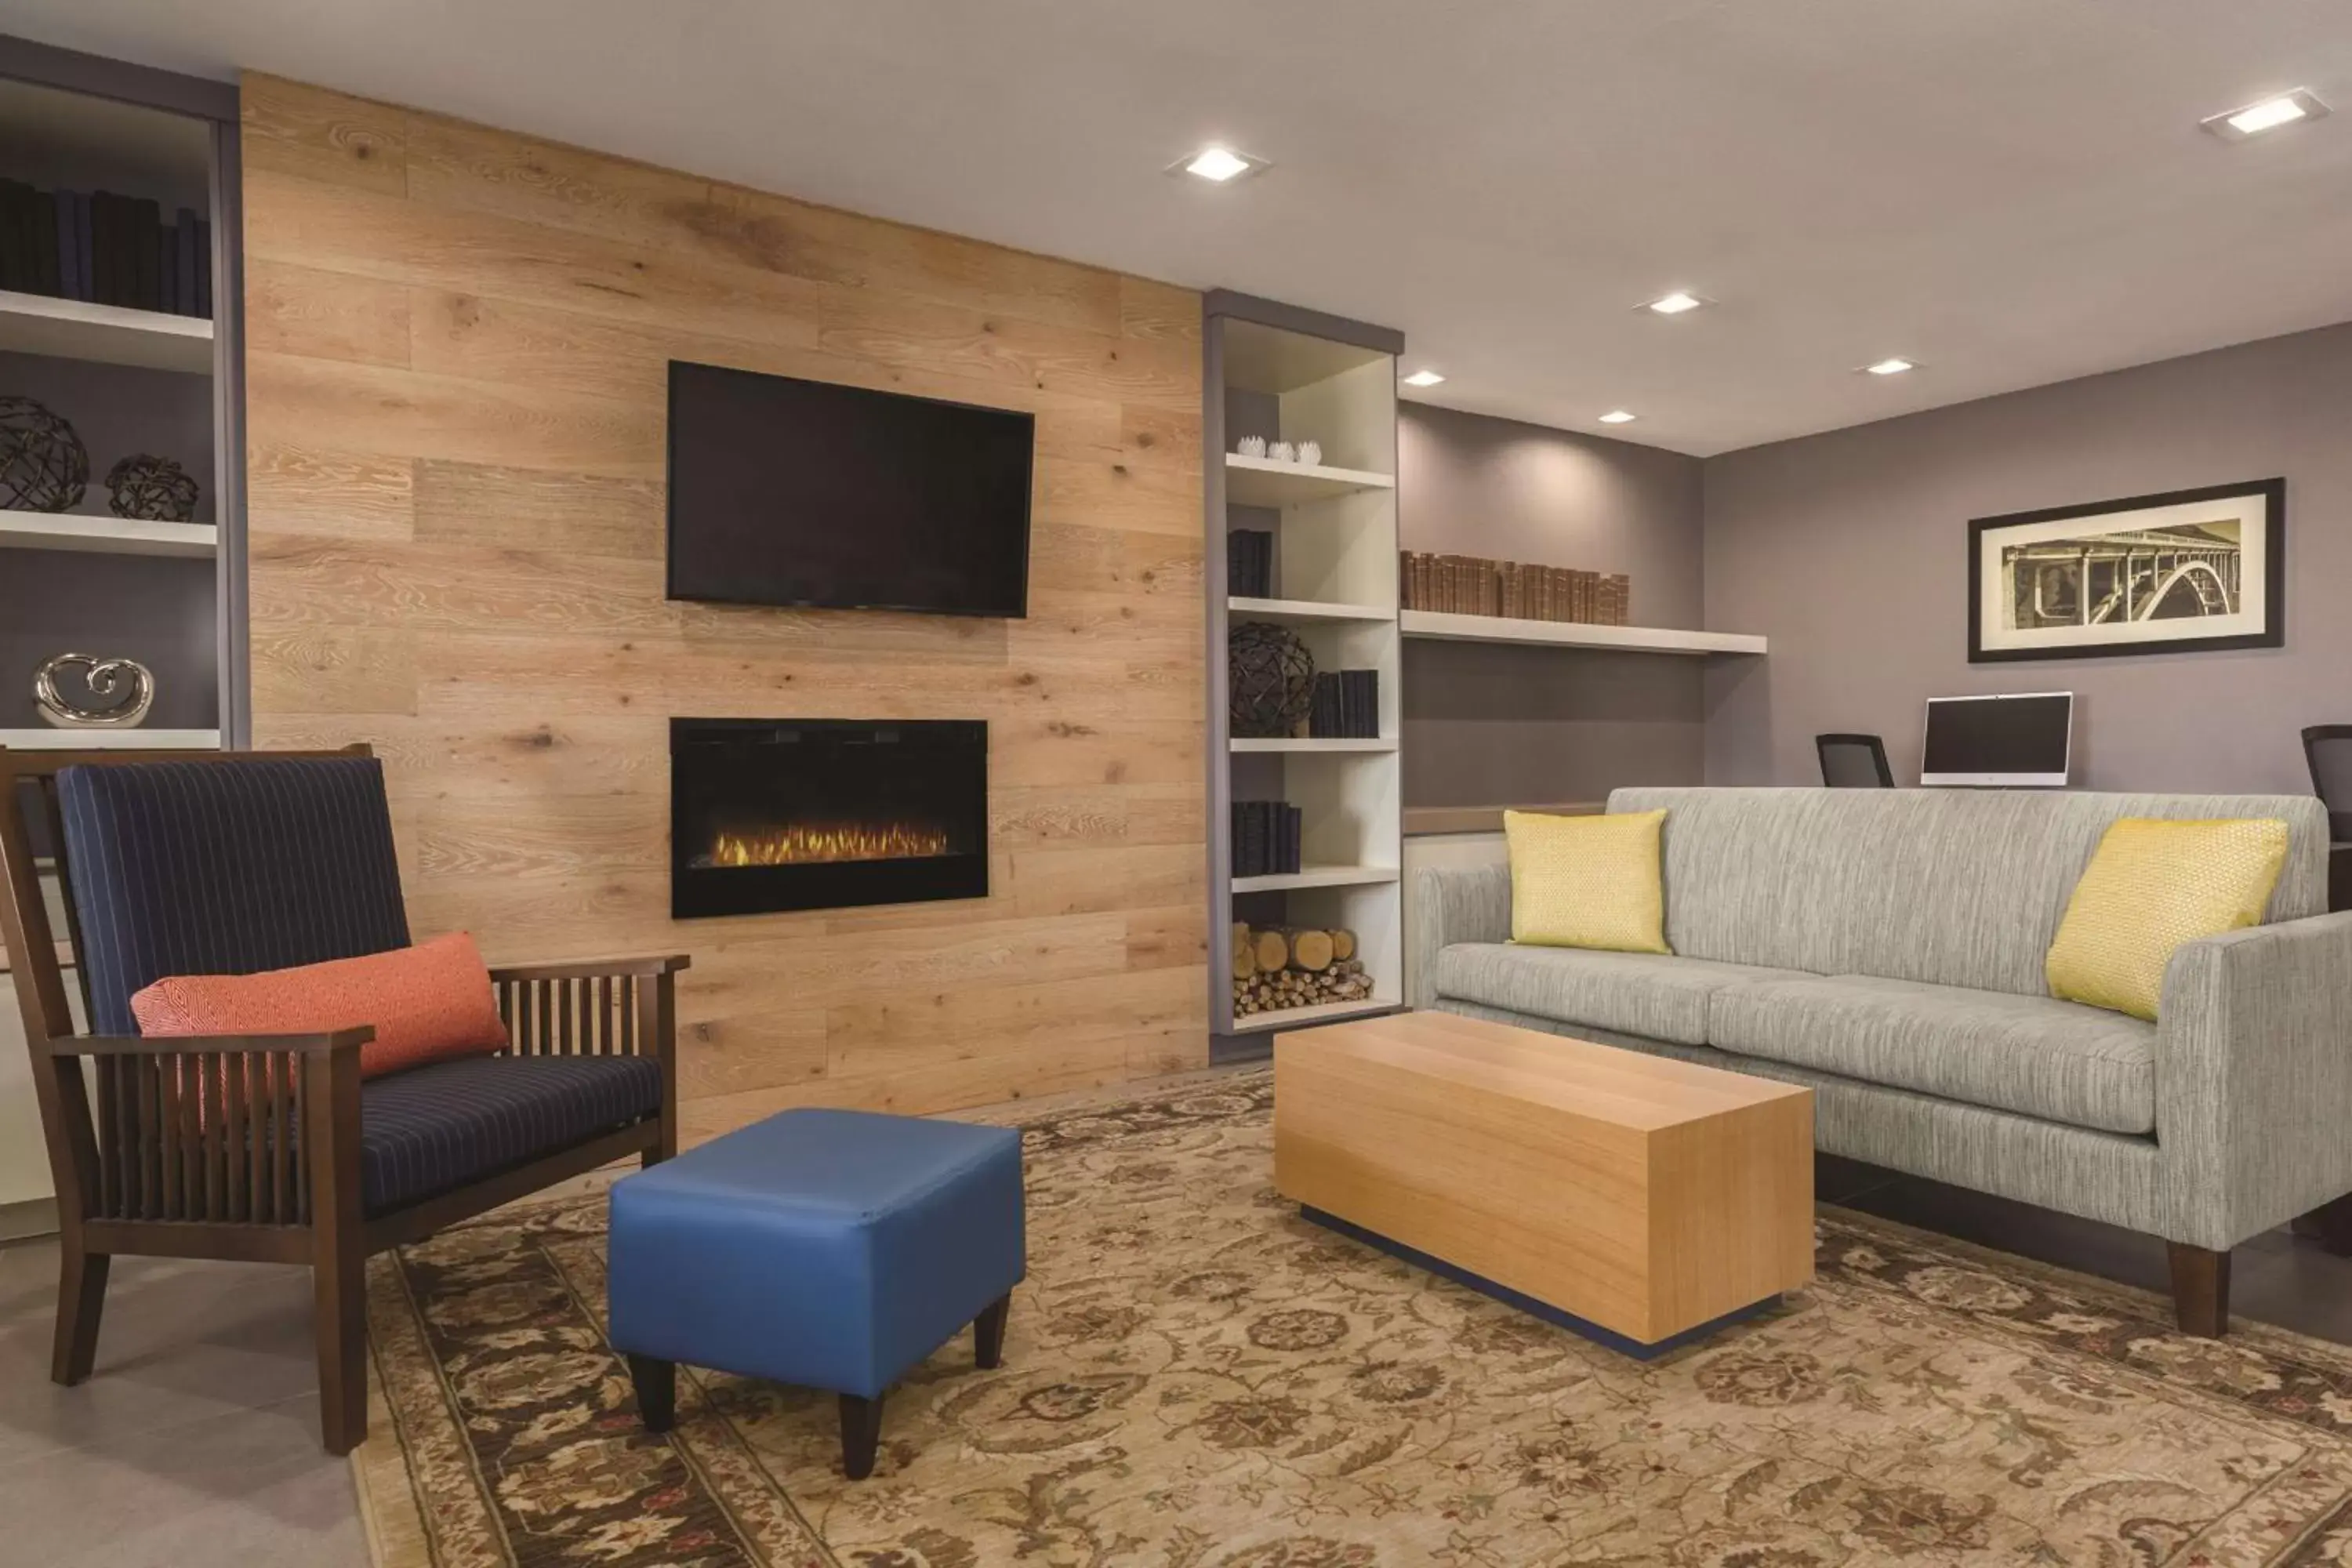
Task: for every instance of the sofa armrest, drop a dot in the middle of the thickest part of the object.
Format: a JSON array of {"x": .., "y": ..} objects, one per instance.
[
  {"x": 2254, "y": 1080},
  {"x": 1453, "y": 904}
]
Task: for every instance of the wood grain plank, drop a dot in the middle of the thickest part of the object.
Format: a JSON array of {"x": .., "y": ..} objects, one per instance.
[
  {"x": 292, "y": 128},
  {"x": 456, "y": 406},
  {"x": 580, "y": 514},
  {"x": 292, "y": 310},
  {"x": 306, "y": 489}
]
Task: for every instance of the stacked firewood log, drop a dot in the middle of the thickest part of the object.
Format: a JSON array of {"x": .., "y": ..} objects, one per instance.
[{"x": 1277, "y": 967}]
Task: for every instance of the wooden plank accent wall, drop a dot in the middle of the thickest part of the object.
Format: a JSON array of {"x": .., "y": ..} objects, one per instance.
[{"x": 458, "y": 342}]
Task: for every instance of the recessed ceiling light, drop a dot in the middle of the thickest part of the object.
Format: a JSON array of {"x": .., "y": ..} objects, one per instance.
[
  {"x": 2238, "y": 124},
  {"x": 1423, "y": 378},
  {"x": 1672, "y": 304},
  {"x": 1617, "y": 417},
  {"x": 1218, "y": 165},
  {"x": 1890, "y": 367}
]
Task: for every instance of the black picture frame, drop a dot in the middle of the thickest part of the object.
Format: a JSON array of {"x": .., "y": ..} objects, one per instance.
[{"x": 2271, "y": 634}]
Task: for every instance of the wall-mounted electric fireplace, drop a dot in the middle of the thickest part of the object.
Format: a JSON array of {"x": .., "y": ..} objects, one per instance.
[{"x": 811, "y": 813}]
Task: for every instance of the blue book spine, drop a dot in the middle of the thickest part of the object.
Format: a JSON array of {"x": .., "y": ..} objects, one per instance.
[
  {"x": 205, "y": 270},
  {"x": 68, "y": 247},
  {"x": 185, "y": 253}
]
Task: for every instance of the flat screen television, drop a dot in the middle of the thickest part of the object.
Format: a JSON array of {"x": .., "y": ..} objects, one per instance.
[
  {"x": 784, "y": 492},
  {"x": 2020, "y": 740}
]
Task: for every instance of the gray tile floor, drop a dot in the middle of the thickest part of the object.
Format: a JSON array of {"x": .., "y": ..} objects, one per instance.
[{"x": 197, "y": 1444}]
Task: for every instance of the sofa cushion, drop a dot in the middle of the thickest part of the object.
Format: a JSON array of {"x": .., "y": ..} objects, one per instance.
[
  {"x": 1949, "y": 886},
  {"x": 2058, "y": 1060},
  {"x": 432, "y": 1128},
  {"x": 1654, "y": 995}
]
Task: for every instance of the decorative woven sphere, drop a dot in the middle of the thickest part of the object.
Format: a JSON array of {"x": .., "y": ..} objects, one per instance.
[
  {"x": 1271, "y": 675},
  {"x": 155, "y": 489},
  {"x": 43, "y": 464}
]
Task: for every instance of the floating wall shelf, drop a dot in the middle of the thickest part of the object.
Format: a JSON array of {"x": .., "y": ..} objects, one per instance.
[
  {"x": 1306, "y": 1017},
  {"x": 111, "y": 739},
  {"x": 111, "y": 334},
  {"x": 1268, "y": 481},
  {"x": 1439, "y": 626},
  {"x": 105, "y": 535},
  {"x": 1305, "y": 610},
  {"x": 1306, "y": 743},
  {"x": 1318, "y": 877}
]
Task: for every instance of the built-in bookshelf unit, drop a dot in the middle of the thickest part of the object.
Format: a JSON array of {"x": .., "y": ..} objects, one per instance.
[
  {"x": 1326, "y": 575},
  {"x": 119, "y": 287}
]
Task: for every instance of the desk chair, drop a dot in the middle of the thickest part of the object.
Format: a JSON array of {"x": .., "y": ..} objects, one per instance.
[{"x": 1854, "y": 762}]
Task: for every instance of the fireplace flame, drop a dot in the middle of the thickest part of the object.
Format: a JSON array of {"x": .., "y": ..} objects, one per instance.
[{"x": 804, "y": 844}]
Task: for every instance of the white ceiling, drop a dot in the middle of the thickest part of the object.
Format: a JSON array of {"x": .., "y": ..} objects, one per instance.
[{"x": 2011, "y": 191}]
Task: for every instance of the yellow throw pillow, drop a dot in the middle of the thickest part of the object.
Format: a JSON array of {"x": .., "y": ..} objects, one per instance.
[
  {"x": 2151, "y": 886},
  {"x": 1587, "y": 881}
]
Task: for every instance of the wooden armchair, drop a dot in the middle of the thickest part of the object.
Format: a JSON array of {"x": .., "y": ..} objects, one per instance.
[{"x": 270, "y": 1148}]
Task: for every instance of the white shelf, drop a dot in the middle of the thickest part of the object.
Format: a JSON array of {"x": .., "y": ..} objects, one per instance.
[
  {"x": 1317, "y": 877},
  {"x": 1307, "y": 743},
  {"x": 105, "y": 535},
  {"x": 1308, "y": 1017},
  {"x": 1269, "y": 482},
  {"x": 47, "y": 740},
  {"x": 111, "y": 334},
  {"x": 1443, "y": 626},
  {"x": 1305, "y": 610}
]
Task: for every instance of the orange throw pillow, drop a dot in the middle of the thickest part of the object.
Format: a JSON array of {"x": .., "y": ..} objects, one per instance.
[{"x": 427, "y": 1002}]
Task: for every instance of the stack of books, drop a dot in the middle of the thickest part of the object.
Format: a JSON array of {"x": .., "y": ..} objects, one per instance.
[
  {"x": 1471, "y": 585},
  {"x": 1249, "y": 563},
  {"x": 104, "y": 248},
  {"x": 1347, "y": 706},
  {"x": 1265, "y": 838}
]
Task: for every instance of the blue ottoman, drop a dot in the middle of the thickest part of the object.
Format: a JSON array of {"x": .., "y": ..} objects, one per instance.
[{"x": 826, "y": 1248}]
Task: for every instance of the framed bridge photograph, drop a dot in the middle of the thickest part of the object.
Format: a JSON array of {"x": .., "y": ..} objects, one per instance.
[{"x": 2191, "y": 571}]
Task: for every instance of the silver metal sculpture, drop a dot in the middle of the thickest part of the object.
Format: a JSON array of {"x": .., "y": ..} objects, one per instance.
[{"x": 100, "y": 675}]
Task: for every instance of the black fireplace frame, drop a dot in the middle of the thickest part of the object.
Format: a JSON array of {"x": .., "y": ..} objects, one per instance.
[{"x": 702, "y": 892}]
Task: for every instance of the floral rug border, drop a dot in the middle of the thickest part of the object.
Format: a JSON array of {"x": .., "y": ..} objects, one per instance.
[{"x": 2289, "y": 1376}]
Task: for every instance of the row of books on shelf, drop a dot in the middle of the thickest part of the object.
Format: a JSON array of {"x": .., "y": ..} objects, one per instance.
[
  {"x": 1265, "y": 838},
  {"x": 1249, "y": 563},
  {"x": 1518, "y": 589},
  {"x": 105, "y": 250},
  {"x": 1347, "y": 706}
]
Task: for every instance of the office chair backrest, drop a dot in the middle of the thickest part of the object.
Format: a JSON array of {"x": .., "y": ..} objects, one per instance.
[{"x": 1854, "y": 762}]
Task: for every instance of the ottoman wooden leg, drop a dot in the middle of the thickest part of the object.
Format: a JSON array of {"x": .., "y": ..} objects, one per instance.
[
  {"x": 861, "y": 1433},
  {"x": 657, "y": 1382},
  {"x": 987, "y": 1334}
]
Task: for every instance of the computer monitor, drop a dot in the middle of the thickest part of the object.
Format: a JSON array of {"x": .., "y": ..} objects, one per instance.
[{"x": 2020, "y": 740}]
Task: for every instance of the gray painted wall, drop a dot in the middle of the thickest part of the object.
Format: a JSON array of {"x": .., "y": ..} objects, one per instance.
[
  {"x": 1489, "y": 725},
  {"x": 1849, "y": 551}
]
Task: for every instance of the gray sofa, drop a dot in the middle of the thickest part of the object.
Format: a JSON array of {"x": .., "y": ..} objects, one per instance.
[{"x": 1884, "y": 948}]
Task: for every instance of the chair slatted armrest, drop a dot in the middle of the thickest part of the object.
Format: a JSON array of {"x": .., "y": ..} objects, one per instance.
[
  {"x": 218, "y": 1129},
  {"x": 210, "y": 1045},
  {"x": 647, "y": 965}
]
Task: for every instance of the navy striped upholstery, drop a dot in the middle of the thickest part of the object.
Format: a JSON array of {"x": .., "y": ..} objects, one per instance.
[
  {"x": 451, "y": 1125},
  {"x": 225, "y": 867}
]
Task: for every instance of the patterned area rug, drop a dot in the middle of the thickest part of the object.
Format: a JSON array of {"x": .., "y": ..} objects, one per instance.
[{"x": 1195, "y": 1378}]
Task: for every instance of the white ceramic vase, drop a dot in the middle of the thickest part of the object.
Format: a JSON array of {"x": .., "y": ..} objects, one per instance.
[
  {"x": 1310, "y": 453},
  {"x": 1252, "y": 446},
  {"x": 1283, "y": 452}
]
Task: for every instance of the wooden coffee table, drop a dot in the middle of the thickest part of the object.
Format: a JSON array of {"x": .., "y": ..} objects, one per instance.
[{"x": 1640, "y": 1200}]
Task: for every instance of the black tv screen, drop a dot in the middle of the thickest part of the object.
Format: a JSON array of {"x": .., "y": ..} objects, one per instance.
[{"x": 799, "y": 492}]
